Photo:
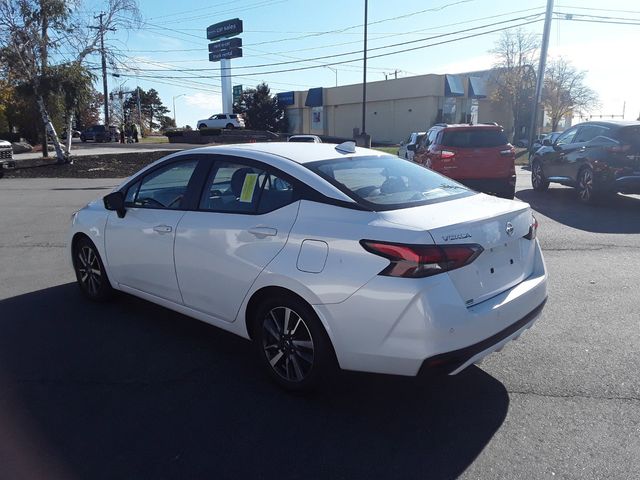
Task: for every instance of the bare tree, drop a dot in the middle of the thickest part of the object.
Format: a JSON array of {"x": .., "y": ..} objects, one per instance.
[
  {"x": 565, "y": 92},
  {"x": 34, "y": 31},
  {"x": 516, "y": 52}
]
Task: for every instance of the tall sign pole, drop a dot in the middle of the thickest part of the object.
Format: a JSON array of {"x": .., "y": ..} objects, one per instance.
[
  {"x": 533, "y": 128},
  {"x": 223, "y": 51},
  {"x": 227, "y": 94},
  {"x": 364, "y": 73}
]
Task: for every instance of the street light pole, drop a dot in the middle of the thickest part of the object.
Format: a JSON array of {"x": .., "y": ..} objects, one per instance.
[
  {"x": 174, "y": 107},
  {"x": 334, "y": 70}
]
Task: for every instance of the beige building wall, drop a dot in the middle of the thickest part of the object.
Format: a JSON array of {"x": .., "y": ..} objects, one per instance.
[{"x": 395, "y": 108}]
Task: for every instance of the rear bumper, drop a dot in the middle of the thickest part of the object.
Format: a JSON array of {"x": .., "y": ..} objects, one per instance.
[
  {"x": 455, "y": 361},
  {"x": 492, "y": 185},
  {"x": 399, "y": 326}
]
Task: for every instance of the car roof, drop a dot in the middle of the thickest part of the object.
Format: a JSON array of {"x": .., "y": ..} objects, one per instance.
[
  {"x": 610, "y": 123},
  {"x": 489, "y": 126},
  {"x": 297, "y": 152}
]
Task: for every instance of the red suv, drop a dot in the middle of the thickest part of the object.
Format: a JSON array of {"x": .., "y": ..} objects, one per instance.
[{"x": 478, "y": 156}]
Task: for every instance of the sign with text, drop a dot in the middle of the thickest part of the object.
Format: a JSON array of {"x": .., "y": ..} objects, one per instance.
[
  {"x": 225, "y": 54},
  {"x": 225, "y": 45},
  {"x": 286, "y": 98},
  {"x": 237, "y": 92},
  {"x": 226, "y": 29}
]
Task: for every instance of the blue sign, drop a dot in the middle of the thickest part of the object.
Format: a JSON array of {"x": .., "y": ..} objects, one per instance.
[
  {"x": 286, "y": 98},
  {"x": 226, "y": 29}
]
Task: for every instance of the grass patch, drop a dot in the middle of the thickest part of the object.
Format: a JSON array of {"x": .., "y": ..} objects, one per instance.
[
  {"x": 154, "y": 139},
  {"x": 389, "y": 150}
]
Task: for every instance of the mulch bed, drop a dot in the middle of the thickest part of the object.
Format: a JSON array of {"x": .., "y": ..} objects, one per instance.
[{"x": 91, "y": 166}]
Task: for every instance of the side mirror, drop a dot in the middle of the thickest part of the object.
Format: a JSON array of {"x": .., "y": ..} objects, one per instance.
[
  {"x": 411, "y": 147},
  {"x": 115, "y": 202},
  {"x": 546, "y": 142}
]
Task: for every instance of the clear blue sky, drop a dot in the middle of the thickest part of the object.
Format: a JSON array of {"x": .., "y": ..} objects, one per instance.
[{"x": 172, "y": 38}]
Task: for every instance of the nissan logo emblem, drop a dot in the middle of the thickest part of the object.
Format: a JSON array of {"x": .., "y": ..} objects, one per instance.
[{"x": 509, "y": 229}]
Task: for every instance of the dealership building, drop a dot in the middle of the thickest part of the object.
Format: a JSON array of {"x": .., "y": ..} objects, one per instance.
[{"x": 396, "y": 107}]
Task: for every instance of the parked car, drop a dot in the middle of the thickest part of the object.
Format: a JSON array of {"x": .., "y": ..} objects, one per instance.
[
  {"x": 304, "y": 139},
  {"x": 320, "y": 254},
  {"x": 74, "y": 134},
  {"x": 478, "y": 156},
  {"x": 222, "y": 120},
  {"x": 597, "y": 158},
  {"x": 6, "y": 155},
  {"x": 97, "y": 133},
  {"x": 413, "y": 139}
]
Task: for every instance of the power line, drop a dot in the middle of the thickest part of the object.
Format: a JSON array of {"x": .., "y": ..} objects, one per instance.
[
  {"x": 355, "y": 52},
  {"x": 355, "y": 60}
]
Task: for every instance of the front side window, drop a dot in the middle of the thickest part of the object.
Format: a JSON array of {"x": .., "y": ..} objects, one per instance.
[
  {"x": 386, "y": 183},
  {"x": 567, "y": 137},
  {"x": 163, "y": 188}
]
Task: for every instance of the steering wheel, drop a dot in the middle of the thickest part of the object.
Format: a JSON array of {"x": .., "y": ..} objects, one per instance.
[
  {"x": 366, "y": 191},
  {"x": 152, "y": 202}
]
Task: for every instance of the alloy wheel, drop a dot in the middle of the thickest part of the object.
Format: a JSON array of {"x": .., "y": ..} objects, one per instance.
[
  {"x": 585, "y": 185},
  {"x": 287, "y": 344},
  {"x": 89, "y": 271},
  {"x": 537, "y": 175}
]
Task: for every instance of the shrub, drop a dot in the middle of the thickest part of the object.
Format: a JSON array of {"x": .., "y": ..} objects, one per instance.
[{"x": 210, "y": 131}]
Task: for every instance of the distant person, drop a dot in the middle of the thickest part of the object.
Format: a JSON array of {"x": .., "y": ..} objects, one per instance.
[
  {"x": 122, "y": 133},
  {"x": 134, "y": 130}
]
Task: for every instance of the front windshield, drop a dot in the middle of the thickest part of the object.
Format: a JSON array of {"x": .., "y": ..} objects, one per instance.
[{"x": 387, "y": 182}]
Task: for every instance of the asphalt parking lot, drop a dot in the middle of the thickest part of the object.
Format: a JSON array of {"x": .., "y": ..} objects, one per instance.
[{"x": 132, "y": 390}]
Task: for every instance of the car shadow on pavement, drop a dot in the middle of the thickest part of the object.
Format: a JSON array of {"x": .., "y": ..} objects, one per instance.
[
  {"x": 128, "y": 389},
  {"x": 615, "y": 214}
]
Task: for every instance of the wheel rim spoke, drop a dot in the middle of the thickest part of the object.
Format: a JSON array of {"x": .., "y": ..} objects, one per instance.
[{"x": 287, "y": 344}]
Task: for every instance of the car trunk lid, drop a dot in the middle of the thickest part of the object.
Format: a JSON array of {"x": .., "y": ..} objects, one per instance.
[{"x": 498, "y": 226}]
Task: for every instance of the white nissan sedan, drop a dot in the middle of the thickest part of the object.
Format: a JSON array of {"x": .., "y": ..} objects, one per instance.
[{"x": 322, "y": 255}]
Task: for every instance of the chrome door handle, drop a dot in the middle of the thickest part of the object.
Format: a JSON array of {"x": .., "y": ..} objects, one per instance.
[
  {"x": 163, "y": 229},
  {"x": 262, "y": 232}
]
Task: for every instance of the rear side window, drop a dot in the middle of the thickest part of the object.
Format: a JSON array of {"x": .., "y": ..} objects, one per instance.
[
  {"x": 474, "y": 138},
  {"x": 589, "y": 132},
  {"x": 233, "y": 116},
  {"x": 630, "y": 135}
]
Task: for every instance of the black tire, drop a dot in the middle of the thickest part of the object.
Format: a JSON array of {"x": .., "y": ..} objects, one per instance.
[
  {"x": 230, "y": 126},
  {"x": 538, "y": 179},
  {"x": 585, "y": 186},
  {"x": 297, "y": 358},
  {"x": 83, "y": 139},
  {"x": 90, "y": 272},
  {"x": 202, "y": 126}
]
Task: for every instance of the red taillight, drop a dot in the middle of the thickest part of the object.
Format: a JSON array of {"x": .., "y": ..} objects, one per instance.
[
  {"x": 533, "y": 229},
  {"x": 445, "y": 154},
  {"x": 416, "y": 261}
]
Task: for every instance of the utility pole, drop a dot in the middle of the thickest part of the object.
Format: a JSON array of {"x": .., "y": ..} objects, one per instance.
[
  {"x": 533, "y": 128},
  {"x": 105, "y": 87},
  {"x": 363, "y": 134},
  {"x": 44, "y": 62},
  {"x": 174, "y": 106}
]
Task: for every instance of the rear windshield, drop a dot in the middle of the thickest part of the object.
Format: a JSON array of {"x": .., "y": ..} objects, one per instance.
[
  {"x": 386, "y": 182},
  {"x": 630, "y": 135},
  {"x": 302, "y": 139},
  {"x": 474, "y": 138}
]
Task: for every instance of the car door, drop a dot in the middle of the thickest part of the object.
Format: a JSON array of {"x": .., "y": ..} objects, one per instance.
[
  {"x": 555, "y": 158},
  {"x": 581, "y": 149},
  {"x": 245, "y": 214},
  {"x": 139, "y": 246}
]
